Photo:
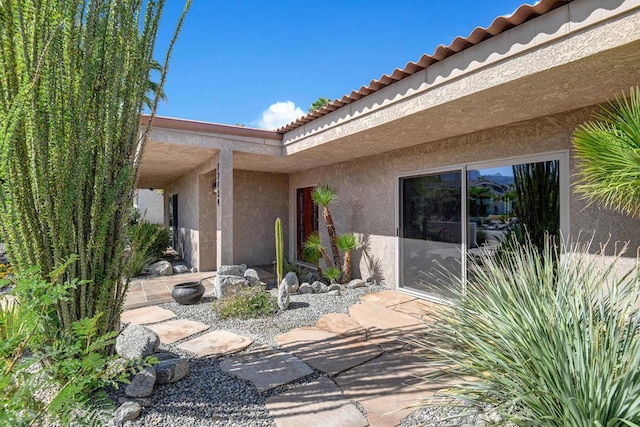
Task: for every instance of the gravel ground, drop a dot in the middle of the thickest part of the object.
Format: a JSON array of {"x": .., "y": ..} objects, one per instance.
[{"x": 210, "y": 397}]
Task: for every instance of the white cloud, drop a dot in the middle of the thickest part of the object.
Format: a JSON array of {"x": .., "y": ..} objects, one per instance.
[{"x": 279, "y": 114}]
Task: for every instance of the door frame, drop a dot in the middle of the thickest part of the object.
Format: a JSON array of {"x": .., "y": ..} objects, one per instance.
[
  {"x": 562, "y": 156},
  {"x": 315, "y": 210}
]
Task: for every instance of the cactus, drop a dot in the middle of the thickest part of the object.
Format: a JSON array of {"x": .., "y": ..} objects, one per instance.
[{"x": 279, "y": 251}]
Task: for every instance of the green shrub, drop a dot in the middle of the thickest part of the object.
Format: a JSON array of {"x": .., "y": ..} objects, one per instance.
[
  {"x": 245, "y": 303},
  {"x": 543, "y": 337},
  {"x": 147, "y": 244},
  {"x": 55, "y": 379}
]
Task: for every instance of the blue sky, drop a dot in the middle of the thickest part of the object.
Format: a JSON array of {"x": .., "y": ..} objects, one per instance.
[{"x": 260, "y": 63}]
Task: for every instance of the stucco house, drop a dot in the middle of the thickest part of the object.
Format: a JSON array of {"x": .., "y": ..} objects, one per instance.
[{"x": 487, "y": 105}]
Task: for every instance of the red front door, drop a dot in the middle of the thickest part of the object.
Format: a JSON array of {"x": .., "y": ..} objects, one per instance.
[{"x": 307, "y": 218}]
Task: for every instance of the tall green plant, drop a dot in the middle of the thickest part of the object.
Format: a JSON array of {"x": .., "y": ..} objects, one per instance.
[
  {"x": 73, "y": 79},
  {"x": 607, "y": 153},
  {"x": 279, "y": 251},
  {"x": 324, "y": 196},
  {"x": 537, "y": 186},
  {"x": 543, "y": 338}
]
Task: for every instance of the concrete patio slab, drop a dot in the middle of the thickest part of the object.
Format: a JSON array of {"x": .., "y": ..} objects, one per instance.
[
  {"x": 217, "y": 343},
  {"x": 176, "y": 330},
  {"x": 266, "y": 368},
  {"x": 326, "y": 351},
  {"x": 317, "y": 403},
  {"x": 387, "y": 298},
  {"x": 145, "y": 315},
  {"x": 387, "y": 387},
  {"x": 341, "y": 324}
]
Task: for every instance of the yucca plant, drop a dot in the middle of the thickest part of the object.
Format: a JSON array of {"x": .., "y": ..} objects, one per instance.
[
  {"x": 543, "y": 338},
  {"x": 607, "y": 151},
  {"x": 73, "y": 79},
  {"x": 347, "y": 243},
  {"x": 324, "y": 196},
  {"x": 314, "y": 250},
  {"x": 333, "y": 274}
]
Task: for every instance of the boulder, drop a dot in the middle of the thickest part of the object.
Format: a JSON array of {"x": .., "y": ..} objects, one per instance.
[
  {"x": 142, "y": 384},
  {"x": 171, "y": 370},
  {"x": 252, "y": 277},
  {"x": 370, "y": 281},
  {"x": 181, "y": 269},
  {"x": 356, "y": 283},
  {"x": 223, "y": 282},
  {"x": 232, "y": 270},
  {"x": 161, "y": 268},
  {"x": 283, "y": 295},
  {"x": 305, "y": 288},
  {"x": 334, "y": 287},
  {"x": 165, "y": 355},
  {"x": 128, "y": 411},
  {"x": 136, "y": 341},
  {"x": 319, "y": 287},
  {"x": 333, "y": 293},
  {"x": 291, "y": 281},
  {"x": 143, "y": 401}
]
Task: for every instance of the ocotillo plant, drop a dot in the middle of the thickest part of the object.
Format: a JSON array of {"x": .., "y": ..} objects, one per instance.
[
  {"x": 74, "y": 75},
  {"x": 279, "y": 251}
]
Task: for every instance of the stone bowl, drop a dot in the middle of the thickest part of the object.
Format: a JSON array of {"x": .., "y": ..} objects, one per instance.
[{"x": 187, "y": 293}]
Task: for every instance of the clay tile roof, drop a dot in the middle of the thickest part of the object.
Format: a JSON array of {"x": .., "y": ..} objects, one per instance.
[{"x": 499, "y": 25}]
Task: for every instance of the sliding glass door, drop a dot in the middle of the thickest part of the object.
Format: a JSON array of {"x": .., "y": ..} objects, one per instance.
[
  {"x": 444, "y": 216},
  {"x": 431, "y": 232}
]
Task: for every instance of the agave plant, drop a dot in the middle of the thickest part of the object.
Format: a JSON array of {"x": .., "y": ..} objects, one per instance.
[
  {"x": 323, "y": 195},
  {"x": 543, "y": 338},
  {"x": 607, "y": 150},
  {"x": 346, "y": 243}
]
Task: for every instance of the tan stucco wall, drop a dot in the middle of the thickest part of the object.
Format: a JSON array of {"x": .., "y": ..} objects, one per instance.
[
  {"x": 196, "y": 219},
  {"x": 367, "y": 187},
  {"x": 207, "y": 221},
  {"x": 150, "y": 203},
  {"x": 258, "y": 199}
]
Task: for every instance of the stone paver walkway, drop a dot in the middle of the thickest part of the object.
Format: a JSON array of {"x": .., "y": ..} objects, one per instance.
[
  {"x": 145, "y": 292},
  {"x": 217, "y": 343},
  {"x": 176, "y": 330},
  {"x": 361, "y": 352},
  {"x": 266, "y": 368},
  {"x": 320, "y": 403}
]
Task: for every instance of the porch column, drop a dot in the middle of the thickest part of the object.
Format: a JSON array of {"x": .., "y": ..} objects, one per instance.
[{"x": 224, "y": 213}]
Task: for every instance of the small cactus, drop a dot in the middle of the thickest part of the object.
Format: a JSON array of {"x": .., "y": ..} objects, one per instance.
[{"x": 279, "y": 251}]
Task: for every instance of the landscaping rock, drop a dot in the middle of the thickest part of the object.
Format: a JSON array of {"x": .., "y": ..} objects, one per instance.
[
  {"x": 142, "y": 384},
  {"x": 232, "y": 270},
  {"x": 136, "y": 341},
  {"x": 223, "y": 282},
  {"x": 334, "y": 287},
  {"x": 311, "y": 277},
  {"x": 334, "y": 293},
  {"x": 172, "y": 370},
  {"x": 165, "y": 355},
  {"x": 292, "y": 282},
  {"x": 252, "y": 277},
  {"x": 356, "y": 283},
  {"x": 128, "y": 411},
  {"x": 305, "y": 288},
  {"x": 180, "y": 269},
  {"x": 143, "y": 401},
  {"x": 319, "y": 287},
  {"x": 161, "y": 268},
  {"x": 370, "y": 281},
  {"x": 283, "y": 295}
]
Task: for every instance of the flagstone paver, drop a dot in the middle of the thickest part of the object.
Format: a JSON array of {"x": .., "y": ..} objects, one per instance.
[
  {"x": 266, "y": 368},
  {"x": 314, "y": 404},
  {"x": 217, "y": 343},
  {"x": 385, "y": 326},
  {"x": 145, "y": 315},
  {"x": 387, "y": 298},
  {"x": 341, "y": 324},
  {"x": 326, "y": 351},
  {"x": 386, "y": 387},
  {"x": 176, "y": 330},
  {"x": 423, "y": 310}
]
